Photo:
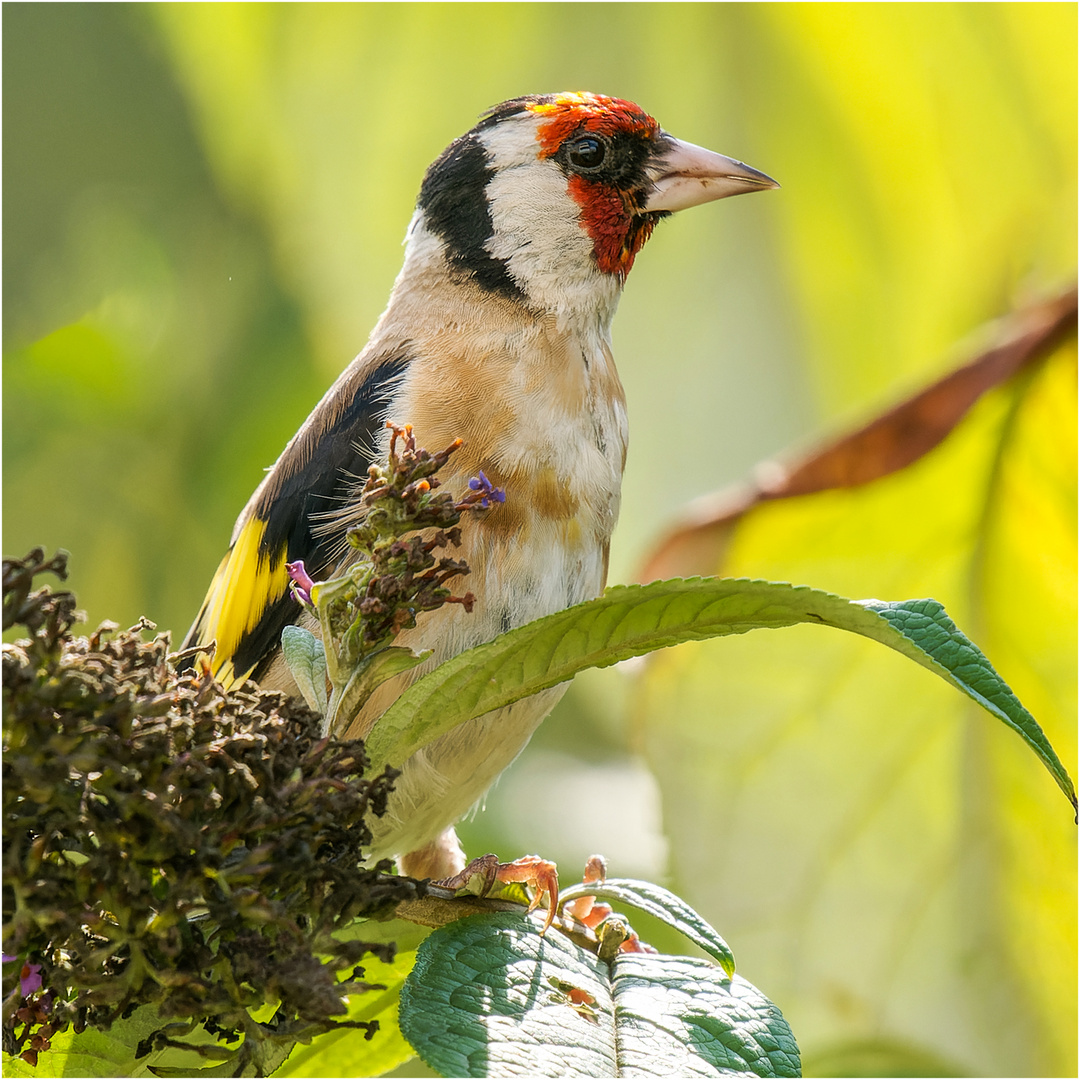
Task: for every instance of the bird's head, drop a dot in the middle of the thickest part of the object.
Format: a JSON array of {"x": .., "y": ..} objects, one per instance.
[{"x": 550, "y": 197}]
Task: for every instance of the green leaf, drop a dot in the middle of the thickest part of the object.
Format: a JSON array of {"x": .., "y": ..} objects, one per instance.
[
  {"x": 306, "y": 658},
  {"x": 662, "y": 905},
  {"x": 927, "y": 626},
  {"x": 223, "y": 1068},
  {"x": 370, "y": 673},
  {"x": 112, "y": 1052},
  {"x": 677, "y": 1014},
  {"x": 490, "y": 997},
  {"x": 343, "y": 1052},
  {"x": 347, "y": 1052},
  {"x": 633, "y": 620}
]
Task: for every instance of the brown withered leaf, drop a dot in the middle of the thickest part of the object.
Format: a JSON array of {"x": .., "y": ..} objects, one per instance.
[{"x": 888, "y": 443}]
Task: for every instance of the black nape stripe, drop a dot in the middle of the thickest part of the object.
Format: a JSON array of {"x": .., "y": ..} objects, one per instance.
[
  {"x": 455, "y": 206},
  {"x": 318, "y": 481}
]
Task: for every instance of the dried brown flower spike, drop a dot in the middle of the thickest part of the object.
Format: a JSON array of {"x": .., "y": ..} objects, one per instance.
[{"x": 170, "y": 844}]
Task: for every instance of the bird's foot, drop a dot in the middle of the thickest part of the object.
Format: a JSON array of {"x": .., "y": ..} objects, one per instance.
[
  {"x": 482, "y": 874},
  {"x": 586, "y": 910}
]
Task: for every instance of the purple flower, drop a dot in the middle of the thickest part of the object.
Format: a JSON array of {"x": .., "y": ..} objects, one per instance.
[
  {"x": 490, "y": 492},
  {"x": 301, "y": 581},
  {"x": 30, "y": 979},
  {"x": 29, "y": 975}
]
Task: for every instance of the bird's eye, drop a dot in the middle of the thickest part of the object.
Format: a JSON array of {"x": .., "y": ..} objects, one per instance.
[{"x": 586, "y": 152}]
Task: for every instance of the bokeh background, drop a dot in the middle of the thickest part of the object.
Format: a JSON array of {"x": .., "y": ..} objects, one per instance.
[{"x": 203, "y": 212}]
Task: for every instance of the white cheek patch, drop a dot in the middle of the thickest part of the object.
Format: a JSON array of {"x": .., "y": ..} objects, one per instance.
[
  {"x": 511, "y": 142},
  {"x": 535, "y": 222},
  {"x": 536, "y": 228}
]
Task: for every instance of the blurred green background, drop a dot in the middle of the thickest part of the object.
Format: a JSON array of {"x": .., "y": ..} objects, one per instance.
[{"x": 203, "y": 212}]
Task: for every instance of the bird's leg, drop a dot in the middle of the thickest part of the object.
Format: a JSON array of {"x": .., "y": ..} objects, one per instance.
[
  {"x": 443, "y": 858},
  {"x": 540, "y": 874}
]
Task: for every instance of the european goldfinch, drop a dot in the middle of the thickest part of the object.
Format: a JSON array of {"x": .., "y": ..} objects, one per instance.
[{"x": 497, "y": 331}]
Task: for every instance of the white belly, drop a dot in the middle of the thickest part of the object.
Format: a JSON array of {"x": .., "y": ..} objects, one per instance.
[{"x": 515, "y": 583}]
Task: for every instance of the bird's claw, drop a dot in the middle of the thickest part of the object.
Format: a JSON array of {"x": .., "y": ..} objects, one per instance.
[
  {"x": 615, "y": 935},
  {"x": 542, "y": 875},
  {"x": 481, "y": 875}
]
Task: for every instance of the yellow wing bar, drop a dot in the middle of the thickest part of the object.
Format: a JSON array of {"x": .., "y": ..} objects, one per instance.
[{"x": 246, "y": 583}]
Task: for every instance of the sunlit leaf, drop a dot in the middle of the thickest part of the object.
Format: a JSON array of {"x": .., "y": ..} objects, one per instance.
[
  {"x": 112, "y": 1052},
  {"x": 490, "y": 997},
  {"x": 347, "y": 1052},
  {"x": 633, "y": 620},
  {"x": 887, "y": 443}
]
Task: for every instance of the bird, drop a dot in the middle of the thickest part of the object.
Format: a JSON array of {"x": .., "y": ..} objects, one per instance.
[{"x": 498, "y": 332}]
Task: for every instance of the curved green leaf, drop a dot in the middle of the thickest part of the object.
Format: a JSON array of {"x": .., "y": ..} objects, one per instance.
[
  {"x": 490, "y": 997},
  {"x": 662, "y": 905},
  {"x": 928, "y": 627},
  {"x": 631, "y": 620},
  {"x": 306, "y": 658},
  {"x": 677, "y": 1016}
]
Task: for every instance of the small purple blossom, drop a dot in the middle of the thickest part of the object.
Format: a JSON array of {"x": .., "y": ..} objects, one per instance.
[
  {"x": 30, "y": 979},
  {"x": 29, "y": 976},
  {"x": 490, "y": 492},
  {"x": 301, "y": 583}
]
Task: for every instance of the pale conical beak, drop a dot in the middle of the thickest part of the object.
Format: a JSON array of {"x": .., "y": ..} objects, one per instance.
[{"x": 687, "y": 175}]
